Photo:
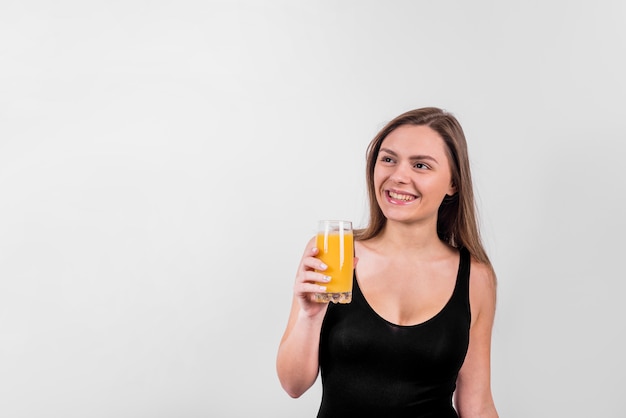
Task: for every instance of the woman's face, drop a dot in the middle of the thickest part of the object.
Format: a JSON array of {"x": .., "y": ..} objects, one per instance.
[{"x": 412, "y": 174}]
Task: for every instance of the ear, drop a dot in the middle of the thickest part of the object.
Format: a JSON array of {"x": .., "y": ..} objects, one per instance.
[{"x": 452, "y": 189}]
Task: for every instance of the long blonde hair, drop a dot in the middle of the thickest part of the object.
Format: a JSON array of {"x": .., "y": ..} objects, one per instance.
[{"x": 456, "y": 221}]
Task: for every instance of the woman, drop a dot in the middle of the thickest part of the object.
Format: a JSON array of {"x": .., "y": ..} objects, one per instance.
[{"x": 418, "y": 330}]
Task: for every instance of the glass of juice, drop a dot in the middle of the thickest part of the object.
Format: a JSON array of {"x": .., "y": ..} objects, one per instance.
[{"x": 335, "y": 242}]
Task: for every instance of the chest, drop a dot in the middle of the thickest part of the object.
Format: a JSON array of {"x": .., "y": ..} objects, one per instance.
[{"x": 407, "y": 295}]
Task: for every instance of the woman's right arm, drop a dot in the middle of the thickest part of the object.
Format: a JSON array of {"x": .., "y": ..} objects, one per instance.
[{"x": 297, "y": 361}]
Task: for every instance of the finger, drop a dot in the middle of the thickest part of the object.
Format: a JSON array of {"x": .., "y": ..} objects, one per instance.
[
  {"x": 304, "y": 288},
  {"x": 314, "y": 263},
  {"x": 315, "y": 277}
]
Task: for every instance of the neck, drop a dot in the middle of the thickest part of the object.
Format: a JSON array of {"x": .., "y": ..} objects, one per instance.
[{"x": 416, "y": 239}]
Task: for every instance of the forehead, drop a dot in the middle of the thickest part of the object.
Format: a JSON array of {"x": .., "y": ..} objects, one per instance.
[{"x": 414, "y": 140}]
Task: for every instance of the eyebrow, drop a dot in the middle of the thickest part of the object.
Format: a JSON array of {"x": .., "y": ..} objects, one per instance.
[{"x": 413, "y": 157}]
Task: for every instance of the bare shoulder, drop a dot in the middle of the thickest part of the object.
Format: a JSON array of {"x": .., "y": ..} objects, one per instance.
[
  {"x": 482, "y": 276},
  {"x": 482, "y": 290}
]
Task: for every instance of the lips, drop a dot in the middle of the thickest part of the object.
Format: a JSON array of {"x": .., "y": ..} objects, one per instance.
[{"x": 399, "y": 196}]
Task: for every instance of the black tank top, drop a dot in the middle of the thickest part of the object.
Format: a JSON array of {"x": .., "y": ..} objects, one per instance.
[{"x": 373, "y": 368}]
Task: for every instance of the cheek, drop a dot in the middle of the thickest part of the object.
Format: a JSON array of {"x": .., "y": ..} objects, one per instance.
[
  {"x": 437, "y": 188},
  {"x": 378, "y": 179}
]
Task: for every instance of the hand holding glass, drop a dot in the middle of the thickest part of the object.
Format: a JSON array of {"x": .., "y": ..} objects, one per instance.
[{"x": 335, "y": 242}]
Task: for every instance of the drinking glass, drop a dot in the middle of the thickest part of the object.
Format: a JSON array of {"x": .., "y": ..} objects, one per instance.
[{"x": 335, "y": 241}]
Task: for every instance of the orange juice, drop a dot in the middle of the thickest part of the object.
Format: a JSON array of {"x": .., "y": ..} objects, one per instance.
[{"x": 336, "y": 250}]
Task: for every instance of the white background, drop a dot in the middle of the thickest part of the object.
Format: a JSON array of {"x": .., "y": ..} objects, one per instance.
[{"x": 162, "y": 165}]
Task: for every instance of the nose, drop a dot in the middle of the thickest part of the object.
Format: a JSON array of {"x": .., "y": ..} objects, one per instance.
[{"x": 400, "y": 174}]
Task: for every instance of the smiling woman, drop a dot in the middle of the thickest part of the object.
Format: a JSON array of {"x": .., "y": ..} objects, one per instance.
[{"x": 418, "y": 330}]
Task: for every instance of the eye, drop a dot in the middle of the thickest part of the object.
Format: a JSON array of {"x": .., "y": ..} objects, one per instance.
[
  {"x": 386, "y": 159},
  {"x": 421, "y": 166}
]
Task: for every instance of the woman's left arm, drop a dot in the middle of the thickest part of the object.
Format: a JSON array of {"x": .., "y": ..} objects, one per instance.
[{"x": 473, "y": 398}]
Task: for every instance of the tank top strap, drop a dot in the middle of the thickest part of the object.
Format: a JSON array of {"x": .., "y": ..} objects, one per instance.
[
  {"x": 464, "y": 265},
  {"x": 462, "y": 281}
]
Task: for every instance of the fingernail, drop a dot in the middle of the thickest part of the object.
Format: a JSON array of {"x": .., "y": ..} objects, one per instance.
[
  {"x": 322, "y": 288},
  {"x": 323, "y": 266},
  {"x": 327, "y": 278}
]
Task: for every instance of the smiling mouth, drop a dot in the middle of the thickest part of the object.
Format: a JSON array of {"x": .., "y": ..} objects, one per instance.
[{"x": 400, "y": 196}]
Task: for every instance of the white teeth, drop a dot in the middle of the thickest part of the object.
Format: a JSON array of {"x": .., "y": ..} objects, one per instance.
[{"x": 403, "y": 197}]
